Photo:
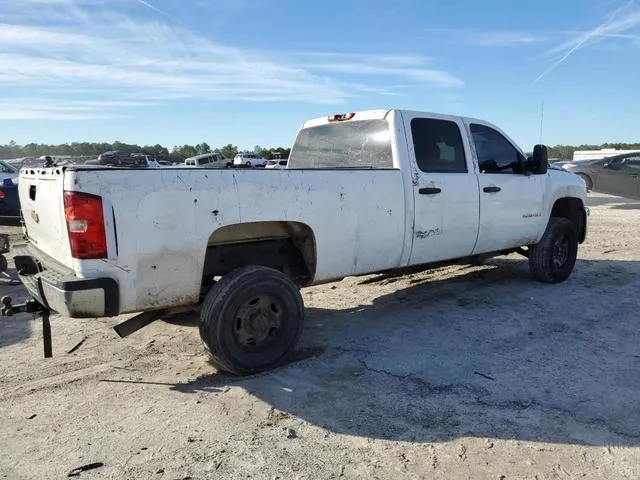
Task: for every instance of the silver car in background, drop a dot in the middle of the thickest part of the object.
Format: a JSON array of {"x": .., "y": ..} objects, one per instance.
[{"x": 617, "y": 175}]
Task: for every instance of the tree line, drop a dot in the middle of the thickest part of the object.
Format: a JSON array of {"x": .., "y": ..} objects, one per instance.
[
  {"x": 87, "y": 149},
  {"x": 179, "y": 152}
]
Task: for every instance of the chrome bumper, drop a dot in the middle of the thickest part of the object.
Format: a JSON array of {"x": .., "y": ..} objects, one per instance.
[{"x": 63, "y": 292}]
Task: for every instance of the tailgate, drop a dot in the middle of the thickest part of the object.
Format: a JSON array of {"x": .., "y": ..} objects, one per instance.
[{"x": 42, "y": 202}]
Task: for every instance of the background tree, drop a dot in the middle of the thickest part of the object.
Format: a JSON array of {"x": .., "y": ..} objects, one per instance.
[
  {"x": 229, "y": 151},
  {"x": 203, "y": 148},
  {"x": 187, "y": 151},
  {"x": 178, "y": 153}
]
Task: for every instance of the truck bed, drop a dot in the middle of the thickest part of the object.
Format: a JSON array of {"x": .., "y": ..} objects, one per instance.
[{"x": 161, "y": 222}]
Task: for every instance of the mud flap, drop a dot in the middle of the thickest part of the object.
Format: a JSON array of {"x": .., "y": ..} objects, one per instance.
[{"x": 141, "y": 320}]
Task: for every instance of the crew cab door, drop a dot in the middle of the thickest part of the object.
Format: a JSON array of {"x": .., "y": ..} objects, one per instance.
[
  {"x": 511, "y": 203},
  {"x": 445, "y": 189}
]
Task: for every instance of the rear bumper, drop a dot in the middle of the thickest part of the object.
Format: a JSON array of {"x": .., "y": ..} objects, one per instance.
[
  {"x": 63, "y": 292},
  {"x": 10, "y": 220}
]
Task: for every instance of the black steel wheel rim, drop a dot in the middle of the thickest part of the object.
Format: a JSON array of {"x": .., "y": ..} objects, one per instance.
[{"x": 258, "y": 323}]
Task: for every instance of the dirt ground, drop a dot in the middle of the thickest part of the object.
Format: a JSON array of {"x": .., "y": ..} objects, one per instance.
[{"x": 455, "y": 373}]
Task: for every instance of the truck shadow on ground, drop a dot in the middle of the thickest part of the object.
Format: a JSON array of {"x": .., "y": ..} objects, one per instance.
[
  {"x": 627, "y": 206},
  {"x": 604, "y": 199},
  {"x": 485, "y": 354},
  {"x": 16, "y": 328}
]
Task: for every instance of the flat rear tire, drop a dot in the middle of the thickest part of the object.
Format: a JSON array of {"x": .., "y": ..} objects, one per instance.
[{"x": 251, "y": 320}]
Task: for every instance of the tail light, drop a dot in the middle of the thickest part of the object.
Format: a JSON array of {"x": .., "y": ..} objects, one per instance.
[
  {"x": 2, "y": 195},
  {"x": 85, "y": 224}
]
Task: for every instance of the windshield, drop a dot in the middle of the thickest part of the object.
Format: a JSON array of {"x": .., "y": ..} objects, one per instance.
[
  {"x": 357, "y": 144},
  {"x": 6, "y": 168}
]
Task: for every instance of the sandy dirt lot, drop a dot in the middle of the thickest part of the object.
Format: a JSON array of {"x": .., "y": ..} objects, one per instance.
[{"x": 460, "y": 372}]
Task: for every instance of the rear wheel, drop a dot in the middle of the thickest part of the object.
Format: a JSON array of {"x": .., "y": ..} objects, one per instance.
[
  {"x": 552, "y": 259},
  {"x": 251, "y": 319}
]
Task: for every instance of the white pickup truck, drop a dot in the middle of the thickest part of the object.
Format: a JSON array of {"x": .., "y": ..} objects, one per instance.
[{"x": 364, "y": 192}]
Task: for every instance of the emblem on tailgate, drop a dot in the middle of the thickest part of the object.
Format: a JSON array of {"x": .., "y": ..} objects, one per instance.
[{"x": 35, "y": 216}]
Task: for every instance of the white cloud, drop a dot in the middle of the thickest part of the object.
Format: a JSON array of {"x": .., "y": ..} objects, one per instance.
[
  {"x": 84, "y": 54},
  {"x": 429, "y": 76},
  {"x": 37, "y": 109},
  {"x": 615, "y": 25},
  {"x": 504, "y": 39},
  {"x": 479, "y": 38}
]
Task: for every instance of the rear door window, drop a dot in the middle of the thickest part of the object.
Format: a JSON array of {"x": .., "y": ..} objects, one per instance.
[{"x": 438, "y": 146}]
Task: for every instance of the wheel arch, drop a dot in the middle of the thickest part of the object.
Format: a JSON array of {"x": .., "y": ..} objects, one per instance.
[
  {"x": 287, "y": 246},
  {"x": 572, "y": 208},
  {"x": 588, "y": 180}
]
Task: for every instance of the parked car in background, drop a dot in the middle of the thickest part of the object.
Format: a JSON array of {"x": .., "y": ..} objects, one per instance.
[
  {"x": 120, "y": 158},
  {"x": 278, "y": 164},
  {"x": 208, "y": 160},
  {"x": 9, "y": 200},
  {"x": 617, "y": 175},
  {"x": 249, "y": 159},
  {"x": 151, "y": 161}
]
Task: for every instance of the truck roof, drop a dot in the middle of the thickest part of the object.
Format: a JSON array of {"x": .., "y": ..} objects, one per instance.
[{"x": 381, "y": 113}]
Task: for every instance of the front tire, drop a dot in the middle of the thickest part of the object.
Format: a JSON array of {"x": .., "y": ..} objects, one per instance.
[
  {"x": 552, "y": 259},
  {"x": 251, "y": 319}
]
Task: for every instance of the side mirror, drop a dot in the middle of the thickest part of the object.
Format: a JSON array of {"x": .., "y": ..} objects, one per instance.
[{"x": 538, "y": 163}]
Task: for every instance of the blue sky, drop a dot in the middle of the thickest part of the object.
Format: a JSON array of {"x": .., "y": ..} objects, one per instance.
[{"x": 249, "y": 72}]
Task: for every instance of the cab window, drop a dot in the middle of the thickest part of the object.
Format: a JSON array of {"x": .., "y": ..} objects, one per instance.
[{"x": 438, "y": 146}]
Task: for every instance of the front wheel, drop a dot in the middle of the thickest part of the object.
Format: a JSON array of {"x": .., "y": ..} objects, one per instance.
[
  {"x": 552, "y": 259},
  {"x": 251, "y": 319}
]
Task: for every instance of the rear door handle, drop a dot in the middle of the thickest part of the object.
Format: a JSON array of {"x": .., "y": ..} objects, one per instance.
[
  {"x": 635, "y": 175},
  {"x": 429, "y": 191},
  {"x": 491, "y": 189}
]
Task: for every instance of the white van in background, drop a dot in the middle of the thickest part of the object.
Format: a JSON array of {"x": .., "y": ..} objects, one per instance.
[
  {"x": 249, "y": 159},
  {"x": 208, "y": 160}
]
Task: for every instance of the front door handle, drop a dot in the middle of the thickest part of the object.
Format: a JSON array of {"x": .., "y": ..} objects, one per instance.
[
  {"x": 635, "y": 175},
  {"x": 429, "y": 191},
  {"x": 491, "y": 189}
]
